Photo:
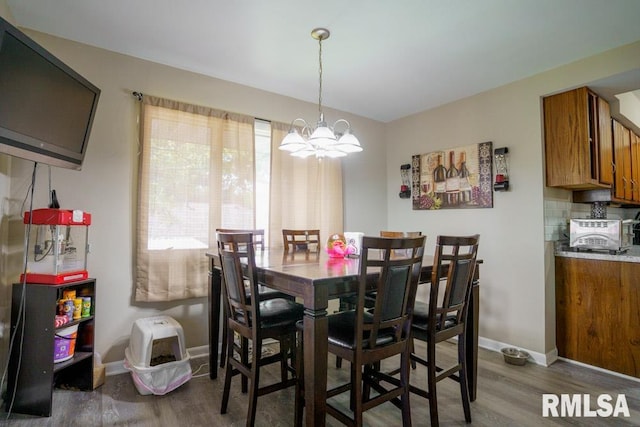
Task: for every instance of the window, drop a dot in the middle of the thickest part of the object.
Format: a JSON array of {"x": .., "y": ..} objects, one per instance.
[
  {"x": 178, "y": 186},
  {"x": 202, "y": 169},
  {"x": 263, "y": 175}
]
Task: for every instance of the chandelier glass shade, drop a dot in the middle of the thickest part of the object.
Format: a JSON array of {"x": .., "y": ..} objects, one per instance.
[{"x": 322, "y": 141}]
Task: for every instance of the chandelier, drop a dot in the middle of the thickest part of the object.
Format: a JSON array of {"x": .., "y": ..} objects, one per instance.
[{"x": 323, "y": 141}]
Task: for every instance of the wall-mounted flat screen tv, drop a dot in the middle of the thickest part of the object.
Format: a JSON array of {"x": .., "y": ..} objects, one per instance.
[{"x": 46, "y": 108}]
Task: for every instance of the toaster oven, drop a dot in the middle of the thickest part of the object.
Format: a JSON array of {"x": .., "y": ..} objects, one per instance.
[{"x": 614, "y": 235}]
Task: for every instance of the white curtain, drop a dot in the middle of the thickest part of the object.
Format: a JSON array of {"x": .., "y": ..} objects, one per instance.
[
  {"x": 305, "y": 193},
  {"x": 195, "y": 169},
  {"x": 196, "y": 173}
]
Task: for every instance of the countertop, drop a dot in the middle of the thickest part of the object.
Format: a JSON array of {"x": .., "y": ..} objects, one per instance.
[{"x": 631, "y": 255}]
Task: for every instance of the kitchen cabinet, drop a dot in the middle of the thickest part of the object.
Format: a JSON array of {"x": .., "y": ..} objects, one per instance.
[
  {"x": 635, "y": 166},
  {"x": 32, "y": 373},
  {"x": 623, "y": 188},
  {"x": 578, "y": 147},
  {"x": 597, "y": 314},
  {"x": 605, "y": 142},
  {"x": 627, "y": 164}
]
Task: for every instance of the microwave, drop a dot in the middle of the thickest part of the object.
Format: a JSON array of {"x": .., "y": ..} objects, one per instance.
[{"x": 614, "y": 235}]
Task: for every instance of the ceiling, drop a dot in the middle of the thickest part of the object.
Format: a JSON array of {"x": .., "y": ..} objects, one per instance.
[{"x": 384, "y": 60}]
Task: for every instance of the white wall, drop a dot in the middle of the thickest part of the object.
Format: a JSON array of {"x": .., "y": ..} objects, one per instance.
[
  {"x": 106, "y": 185},
  {"x": 517, "y": 285},
  {"x": 4, "y": 11},
  {"x": 630, "y": 107}
]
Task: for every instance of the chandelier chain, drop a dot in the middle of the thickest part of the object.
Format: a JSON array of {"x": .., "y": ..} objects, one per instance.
[{"x": 320, "y": 77}]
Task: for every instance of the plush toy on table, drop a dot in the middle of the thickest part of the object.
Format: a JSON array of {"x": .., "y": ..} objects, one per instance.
[{"x": 337, "y": 246}]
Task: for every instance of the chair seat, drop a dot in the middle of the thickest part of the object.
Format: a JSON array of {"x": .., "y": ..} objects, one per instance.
[
  {"x": 264, "y": 293},
  {"x": 421, "y": 318},
  {"x": 280, "y": 311},
  {"x": 342, "y": 326},
  {"x": 277, "y": 312}
]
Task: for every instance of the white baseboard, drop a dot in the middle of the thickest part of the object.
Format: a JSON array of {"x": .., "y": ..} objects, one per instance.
[
  {"x": 549, "y": 358},
  {"x": 536, "y": 357},
  {"x": 116, "y": 368}
]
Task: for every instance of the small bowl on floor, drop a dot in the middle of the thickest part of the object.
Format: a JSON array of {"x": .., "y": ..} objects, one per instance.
[{"x": 514, "y": 356}]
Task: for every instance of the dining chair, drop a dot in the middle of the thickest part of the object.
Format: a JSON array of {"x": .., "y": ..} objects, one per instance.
[
  {"x": 348, "y": 302},
  {"x": 258, "y": 235},
  {"x": 444, "y": 316},
  {"x": 264, "y": 291},
  {"x": 301, "y": 240},
  {"x": 253, "y": 321},
  {"x": 366, "y": 336}
]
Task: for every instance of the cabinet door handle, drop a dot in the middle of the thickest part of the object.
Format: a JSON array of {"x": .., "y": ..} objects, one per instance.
[
  {"x": 624, "y": 183},
  {"x": 613, "y": 167}
]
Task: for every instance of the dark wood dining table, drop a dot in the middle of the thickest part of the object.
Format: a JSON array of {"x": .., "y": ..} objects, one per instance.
[{"x": 315, "y": 279}]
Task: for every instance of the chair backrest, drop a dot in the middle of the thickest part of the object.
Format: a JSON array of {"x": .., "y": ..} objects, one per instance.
[
  {"x": 396, "y": 281},
  {"x": 301, "y": 240},
  {"x": 454, "y": 266},
  {"x": 258, "y": 235},
  {"x": 398, "y": 234},
  {"x": 237, "y": 259}
]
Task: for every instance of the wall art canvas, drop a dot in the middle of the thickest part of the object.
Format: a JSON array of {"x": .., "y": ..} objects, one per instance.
[{"x": 455, "y": 178}]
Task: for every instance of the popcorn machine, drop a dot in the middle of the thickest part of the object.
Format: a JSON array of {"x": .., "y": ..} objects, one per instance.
[{"x": 57, "y": 246}]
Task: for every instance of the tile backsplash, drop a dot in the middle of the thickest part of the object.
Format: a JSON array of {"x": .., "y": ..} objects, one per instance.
[{"x": 558, "y": 212}]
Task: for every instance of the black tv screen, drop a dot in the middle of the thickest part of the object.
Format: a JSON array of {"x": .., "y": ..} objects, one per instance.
[{"x": 46, "y": 108}]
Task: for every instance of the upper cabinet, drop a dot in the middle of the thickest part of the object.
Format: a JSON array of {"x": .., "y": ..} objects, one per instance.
[
  {"x": 623, "y": 189},
  {"x": 578, "y": 143},
  {"x": 605, "y": 144},
  {"x": 635, "y": 162},
  {"x": 627, "y": 163}
]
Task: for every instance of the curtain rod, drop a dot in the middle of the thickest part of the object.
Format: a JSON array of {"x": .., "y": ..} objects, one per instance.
[{"x": 140, "y": 95}]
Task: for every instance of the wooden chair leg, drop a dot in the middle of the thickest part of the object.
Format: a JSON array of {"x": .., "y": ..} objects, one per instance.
[
  {"x": 223, "y": 350},
  {"x": 464, "y": 385},
  {"x": 284, "y": 354},
  {"x": 227, "y": 376},
  {"x": 299, "y": 398},
  {"x": 356, "y": 390},
  {"x": 431, "y": 383},
  {"x": 254, "y": 380},
  {"x": 244, "y": 357},
  {"x": 352, "y": 391},
  {"x": 366, "y": 386},
  {"x": 404, "y": 382},
  {"x": 412, "y": 350}
]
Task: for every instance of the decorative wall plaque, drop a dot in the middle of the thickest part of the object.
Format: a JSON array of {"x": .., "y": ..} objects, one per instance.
[{"x": 455, "y": 178}]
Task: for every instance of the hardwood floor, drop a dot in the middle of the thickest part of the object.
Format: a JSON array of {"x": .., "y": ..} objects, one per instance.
[{"x": 507, "y": 396}]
